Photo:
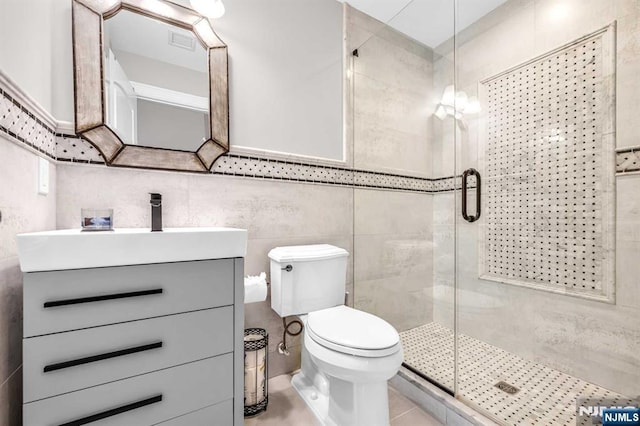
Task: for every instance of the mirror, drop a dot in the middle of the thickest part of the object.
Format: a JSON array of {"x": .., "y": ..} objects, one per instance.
[
  {"x": 156, "y": 83},
  {"x": 151, "y": 84}
]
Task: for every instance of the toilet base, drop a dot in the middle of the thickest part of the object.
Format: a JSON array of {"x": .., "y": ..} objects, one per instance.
[
  {"x": 317, "y": 402},
  {"x": 338, "y": 402},
  {"x": 347, "y": 404}
]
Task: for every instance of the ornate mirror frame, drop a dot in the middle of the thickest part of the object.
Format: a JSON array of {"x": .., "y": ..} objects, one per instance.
[{"x": 90, "y": 115}]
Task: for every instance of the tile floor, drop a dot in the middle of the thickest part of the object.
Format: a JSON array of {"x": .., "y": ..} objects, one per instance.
[
  {"x": 545, "y": 396},
  {"x": 286, "y": 408}
]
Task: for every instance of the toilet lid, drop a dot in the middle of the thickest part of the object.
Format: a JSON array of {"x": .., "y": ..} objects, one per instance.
[{"x": 345, "y": 327}]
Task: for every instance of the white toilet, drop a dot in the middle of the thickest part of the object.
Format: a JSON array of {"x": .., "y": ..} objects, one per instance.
[{"x": 347, "y": 355}]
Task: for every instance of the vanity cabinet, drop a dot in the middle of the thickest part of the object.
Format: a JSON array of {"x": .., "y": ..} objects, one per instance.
[{"x": 135, "y": 345}]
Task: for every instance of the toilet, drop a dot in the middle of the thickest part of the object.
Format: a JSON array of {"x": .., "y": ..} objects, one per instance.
[{"x": 347, "y": 355}]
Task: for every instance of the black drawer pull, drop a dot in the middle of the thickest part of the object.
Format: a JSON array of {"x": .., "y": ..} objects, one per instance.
[
  {"x": 101, "y": 357},
  {"x": 65, "y": 302},
  {"x": 114, "y": 411}
]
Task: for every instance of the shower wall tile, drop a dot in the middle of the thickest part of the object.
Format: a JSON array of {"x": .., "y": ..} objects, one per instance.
[
  {"x": 393, "y": 272},
  {"x": 391, "y": 300},
  {"x": 385, "y": 61},
  {"x": 627, "y": 14},
  {"x": 628, "y": 208},
  {"x": 362, "y": 25},
  {"x": 394, "y": 213},
  {"x": 627, "y": 90},
  {"x": 393, "y": 102},
  {"x": 628, "y": 272},
  {"x": 504, "y": 51},
  {"x": 365, "y": 23},
  {"x": 391, "y": 96},
  {"x": 595, "y": 341},
  {"x": 390, "y": 129},
  {"x": 387, "y": 256},
  {"x": 444, "y": 148},
  {"x": 557, "y": 24}
]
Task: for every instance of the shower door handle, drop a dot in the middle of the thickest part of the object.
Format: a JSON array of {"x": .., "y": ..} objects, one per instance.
[{"x": 465, "y": 179}]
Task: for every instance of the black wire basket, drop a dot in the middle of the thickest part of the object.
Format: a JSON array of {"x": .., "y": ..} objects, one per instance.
[{"x": 256, "y": 372}]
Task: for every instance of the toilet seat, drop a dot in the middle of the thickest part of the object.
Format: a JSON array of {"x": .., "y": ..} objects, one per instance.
[{"x": 350, "y": 331}]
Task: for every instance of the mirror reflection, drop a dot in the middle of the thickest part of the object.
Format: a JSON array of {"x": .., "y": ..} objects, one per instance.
[{"x": 156, "y": 83}]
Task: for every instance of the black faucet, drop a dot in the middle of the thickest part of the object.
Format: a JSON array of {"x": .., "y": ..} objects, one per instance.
[{"x": 156, "y": 212}]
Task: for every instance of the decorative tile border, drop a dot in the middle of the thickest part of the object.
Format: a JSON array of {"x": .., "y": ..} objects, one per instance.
[
  {"x": 71, "y": 148},
  {"x": 20, "y": 124},
  {"x": 256, "y": 167},
  {"x": 628, "y": 160}
]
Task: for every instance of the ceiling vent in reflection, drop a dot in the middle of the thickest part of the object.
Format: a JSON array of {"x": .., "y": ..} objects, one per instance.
[{"x": 182, "y": 41}]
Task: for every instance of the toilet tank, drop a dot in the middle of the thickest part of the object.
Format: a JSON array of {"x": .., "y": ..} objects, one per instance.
[{"x": 307, "y": 278}]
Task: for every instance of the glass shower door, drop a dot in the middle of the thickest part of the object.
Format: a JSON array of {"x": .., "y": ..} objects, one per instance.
[
  {"x": 544, "y": 324},
  {"x": 403, "y": 151}
]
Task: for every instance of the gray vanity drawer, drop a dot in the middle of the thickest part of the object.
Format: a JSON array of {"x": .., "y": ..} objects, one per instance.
[
  {"x": 182, "y": 390},
  {"x": 69, "y": 300},
  {"x": 217, "y": 415},
  {"x": 83, "y": 358}
]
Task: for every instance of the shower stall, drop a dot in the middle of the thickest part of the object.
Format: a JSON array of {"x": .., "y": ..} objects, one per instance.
[{"x": 506, "y": 250}]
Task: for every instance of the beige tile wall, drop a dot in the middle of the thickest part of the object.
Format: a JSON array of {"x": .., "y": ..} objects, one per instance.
[
  {"x": 275, "y": 213},
  {"x": 23, "y": 210},
  {"x": 393, "y": 251},
  {"x": 392, "y": 81},
  {"x": 596, "y": 341},
  {"x": 391, "y": 94}
]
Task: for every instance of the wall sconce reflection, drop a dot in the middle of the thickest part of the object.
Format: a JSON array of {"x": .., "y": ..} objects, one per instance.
[{"x": 456, "y": 104}]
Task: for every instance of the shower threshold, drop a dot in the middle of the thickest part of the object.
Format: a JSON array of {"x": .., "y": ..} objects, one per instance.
[{"x": 503, "y": 386}]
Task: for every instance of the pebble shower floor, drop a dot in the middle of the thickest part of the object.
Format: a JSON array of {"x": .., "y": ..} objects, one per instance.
[{"x": 545, "y": 396}]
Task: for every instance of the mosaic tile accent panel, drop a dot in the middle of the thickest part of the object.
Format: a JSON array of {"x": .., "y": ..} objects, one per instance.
[
  {"x": 549, "y": 177},
  {"x": 545, "y": 397},
  {"x": 19, "y": 123},
  {"x": 628, "y": 160}
]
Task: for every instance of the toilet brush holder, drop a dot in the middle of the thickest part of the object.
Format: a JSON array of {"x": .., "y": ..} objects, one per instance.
[{"x": 256, "y": 347}]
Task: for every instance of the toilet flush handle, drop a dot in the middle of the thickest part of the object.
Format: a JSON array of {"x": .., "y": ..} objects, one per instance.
[{"x": 288, "y": 268}]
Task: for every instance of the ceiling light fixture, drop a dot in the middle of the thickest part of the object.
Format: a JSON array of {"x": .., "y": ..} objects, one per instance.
[
  {"x": 456, "y": 104},
  {"x": 210, "y": 8}
]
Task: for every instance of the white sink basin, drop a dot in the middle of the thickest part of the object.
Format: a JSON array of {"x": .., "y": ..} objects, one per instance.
[{"x": 73, "y": 249}]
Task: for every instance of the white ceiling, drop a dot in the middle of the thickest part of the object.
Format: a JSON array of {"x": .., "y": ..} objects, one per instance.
[{"x": 430, "y": 22}]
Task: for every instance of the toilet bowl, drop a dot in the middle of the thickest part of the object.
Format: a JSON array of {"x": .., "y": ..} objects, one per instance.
[
  {"x": 344, "y": 371},
  {"x": 347, "y": 355}
]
